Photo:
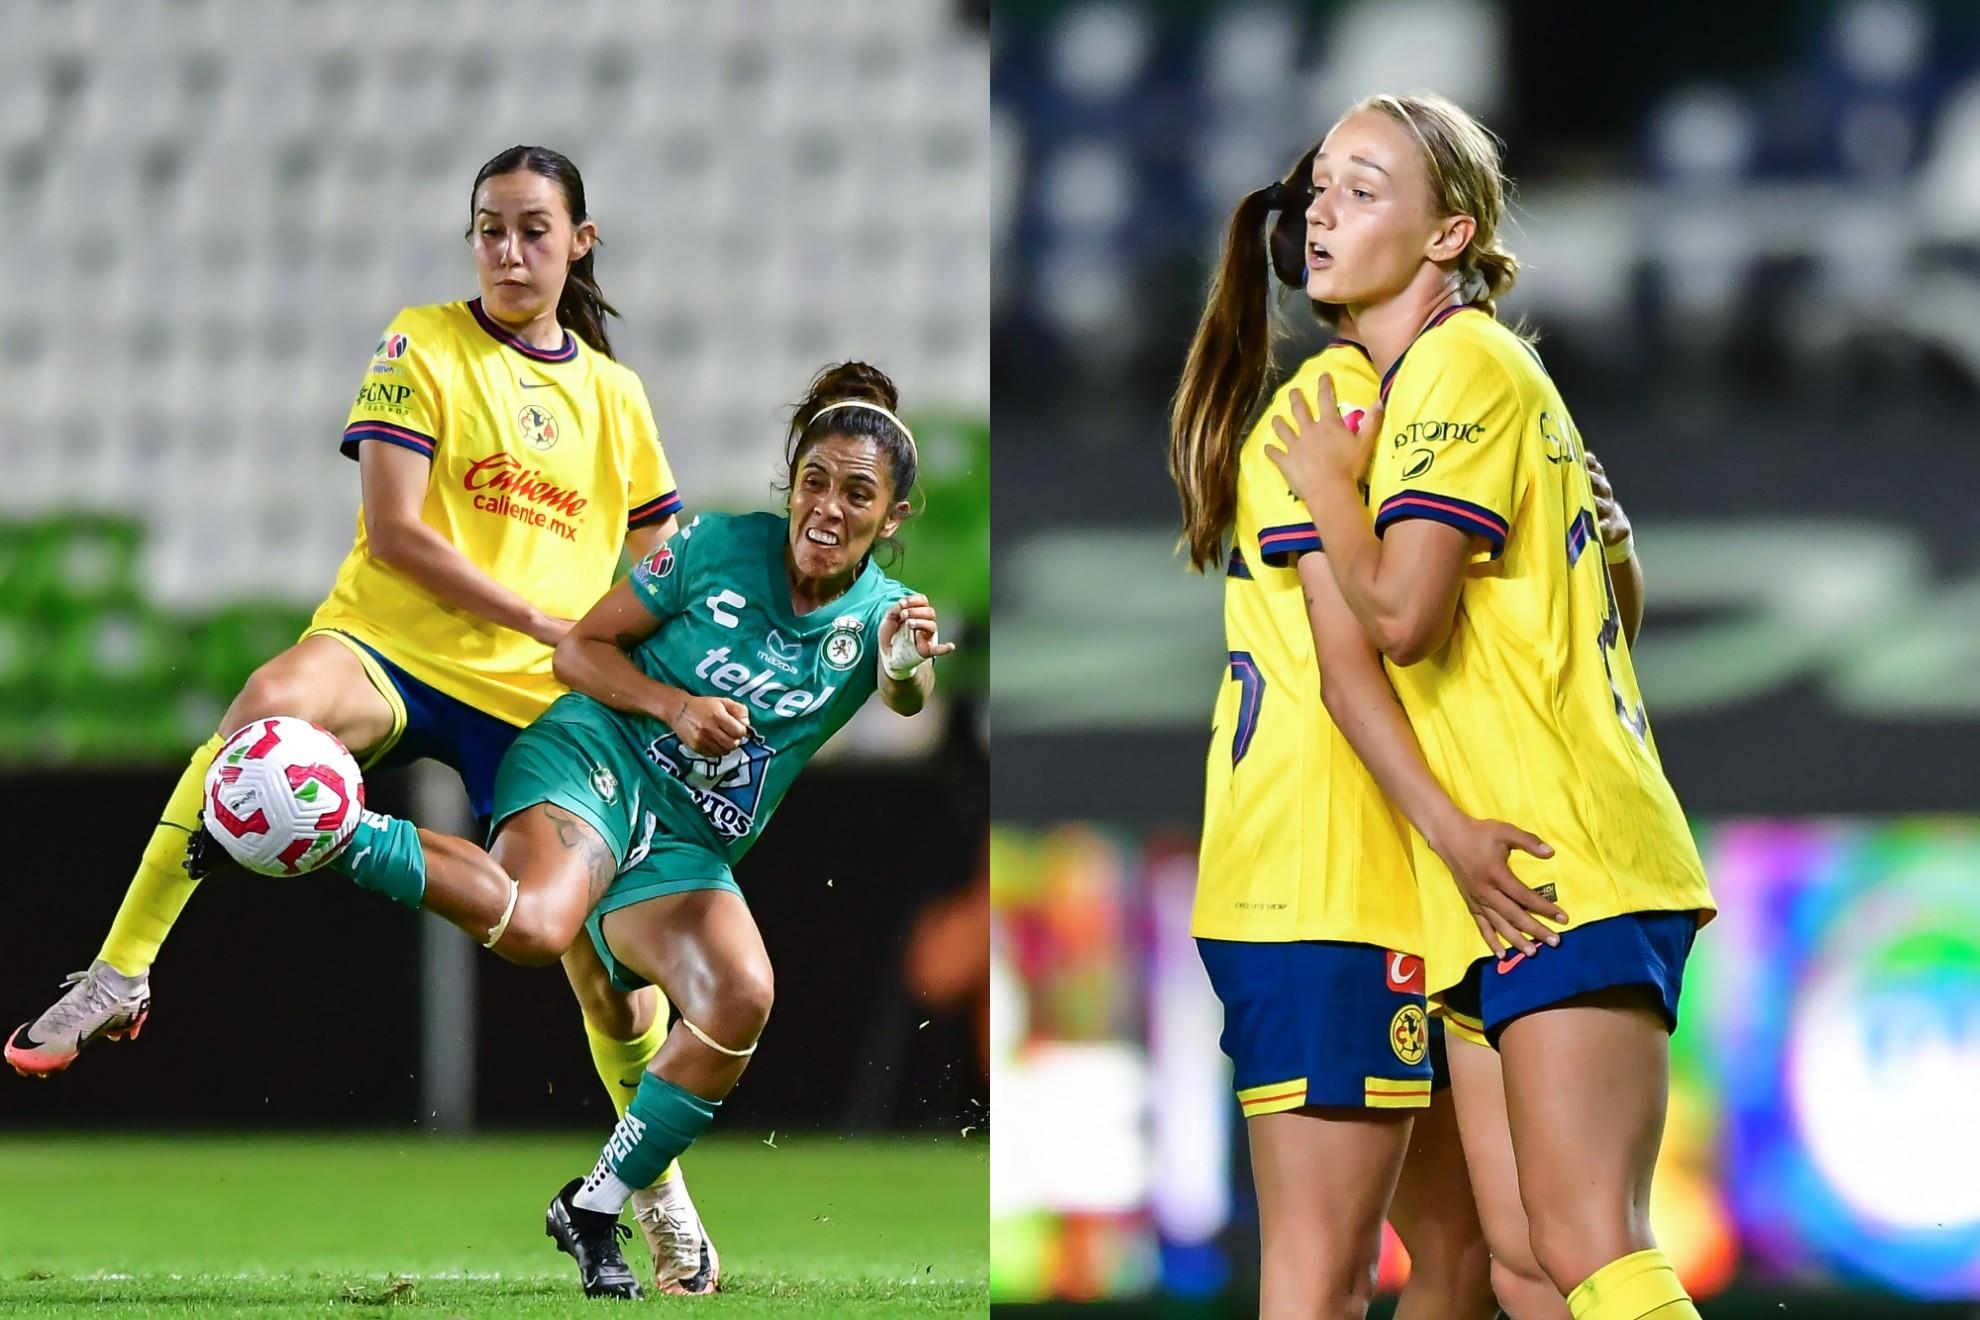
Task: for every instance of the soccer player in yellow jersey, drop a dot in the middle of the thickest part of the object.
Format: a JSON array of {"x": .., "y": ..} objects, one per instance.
[
  {"x": 1306, "y": 910},
  {"x": 1475, "y": 565},
  {"x": 506, "y": 463}
]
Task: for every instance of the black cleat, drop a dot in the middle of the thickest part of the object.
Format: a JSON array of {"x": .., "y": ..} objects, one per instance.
[
  {"x": 203, "y": 851},
  {"x": 591, "y": 1238}
]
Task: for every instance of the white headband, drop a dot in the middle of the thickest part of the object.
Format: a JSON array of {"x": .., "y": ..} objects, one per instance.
[{"x": 871, "y": 407}]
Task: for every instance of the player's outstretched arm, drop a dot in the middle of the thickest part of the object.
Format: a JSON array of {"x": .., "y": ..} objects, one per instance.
[
  {"x": 394, "y": 484},
  {"x": 596, "y": 659},
  {"x": 907, "y": 680},
  {"x": 1363, "y": 706}
]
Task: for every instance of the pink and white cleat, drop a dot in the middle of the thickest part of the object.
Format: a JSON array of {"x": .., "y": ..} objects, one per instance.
[
  {"x": 100, "y": 1002},
  {"x": 684, "y": 1259}
]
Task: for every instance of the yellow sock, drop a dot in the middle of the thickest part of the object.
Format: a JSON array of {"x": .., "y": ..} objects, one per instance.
[
  {"x": 1639, "y": 1286},
  {"x": 621, "y": 1063},
  {"x": 159, "y": 890}
]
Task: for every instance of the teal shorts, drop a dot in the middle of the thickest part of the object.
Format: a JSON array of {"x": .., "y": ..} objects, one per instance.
[{"x": 576, "y": 758}]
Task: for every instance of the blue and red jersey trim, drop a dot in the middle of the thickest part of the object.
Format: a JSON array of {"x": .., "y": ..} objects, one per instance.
[
  {"x": 403, "y": 436},
  {"x": 1355, "y": 344},
  {"x": 1447, "y": 509},
  {"x": 655, "y": 510},
  {"x": 1277, "y": 546},
  {"x": 497, "y": 332},
  {"x": 1389, "y": 376},
  {"x": 1238, "y": 568},
  {"x": 1580, "y": 532}
]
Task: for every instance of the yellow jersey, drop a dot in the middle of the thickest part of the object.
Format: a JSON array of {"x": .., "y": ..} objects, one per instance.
[
  {"x": 542, "y": 460},
  {"x": 1299, "y": 842},
  {"x": 1530, "y": 712}
]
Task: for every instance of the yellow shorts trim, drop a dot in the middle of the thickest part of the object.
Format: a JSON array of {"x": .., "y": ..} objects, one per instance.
[
  {"x": 1274, "y": 1098},
  {"x": 1395, "y": 1092},
  {"x": 1465, "y": 1028},
  {"x": 379, "y": 680}
]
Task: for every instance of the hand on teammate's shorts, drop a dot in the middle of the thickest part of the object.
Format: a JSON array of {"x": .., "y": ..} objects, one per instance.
[
  {"x": 1504, "y": 907},
  {"x": 711, "y": 726}
]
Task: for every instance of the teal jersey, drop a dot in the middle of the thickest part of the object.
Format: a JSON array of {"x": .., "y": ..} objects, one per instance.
[{"x": 728, "y": 629}]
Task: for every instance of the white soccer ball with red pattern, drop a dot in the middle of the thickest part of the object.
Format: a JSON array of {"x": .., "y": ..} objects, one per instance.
[{"x": 282, "y": 796}]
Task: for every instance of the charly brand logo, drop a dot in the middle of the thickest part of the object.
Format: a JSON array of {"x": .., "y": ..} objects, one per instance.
[
  {"x": 539, "y": 427},
  {"x": 505, "y": 487},
  {"x": 722, "y": 607},
  {"x": 842, "y": 644}
]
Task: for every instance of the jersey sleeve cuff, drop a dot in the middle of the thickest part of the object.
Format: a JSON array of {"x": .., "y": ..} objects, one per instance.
[
  {"x": 1475, "y": 519},
  {"x": 403, "y": 436},
  {"x": 1279, "y": 546},
  {"x": 654, "y": 511}
]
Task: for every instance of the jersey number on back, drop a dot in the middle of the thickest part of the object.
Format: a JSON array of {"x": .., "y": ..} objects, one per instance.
[
  {"x": 1251, "y": 695},
  {"x": 1629, "y": 706}
]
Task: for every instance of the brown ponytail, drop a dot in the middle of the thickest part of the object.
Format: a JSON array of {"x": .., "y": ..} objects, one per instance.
[
  {"x": 581, "y": 308},
  {"x": 1223, "y": 379}
]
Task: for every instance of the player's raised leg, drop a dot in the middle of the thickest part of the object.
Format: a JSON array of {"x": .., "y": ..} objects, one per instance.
[
  {"x": 319, "y": 680},
  {"x": 1478, "y": 1093},
  {"x": 525, "y": 898},
  {"x": 1592, "y": 1075},
  {"x": 1450, "y": 1274},
  {"x": 703, "y": 949},
  {"x": 624, "y": 1031}
]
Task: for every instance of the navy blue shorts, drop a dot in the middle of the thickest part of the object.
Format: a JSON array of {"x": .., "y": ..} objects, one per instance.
[
  {"x": 1320, "y": 1023},
  {"x": 469, "y": 741},
  {"x": 1637, "y": 948}
]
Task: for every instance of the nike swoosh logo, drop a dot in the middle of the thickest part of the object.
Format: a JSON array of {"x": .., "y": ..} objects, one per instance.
[
  {"x": 1396, "y": 972},
  {"x": 630, "y": 1083},
  {"x": 1507, "y": 964},
  {"x": 534, "y": 384}
]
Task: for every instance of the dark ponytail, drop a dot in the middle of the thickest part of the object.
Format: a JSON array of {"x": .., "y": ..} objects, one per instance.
[
  {"x": 582, "y": 308},
  {"x": 1223, "y": 378},
  {"x": 814, "y": 419}
]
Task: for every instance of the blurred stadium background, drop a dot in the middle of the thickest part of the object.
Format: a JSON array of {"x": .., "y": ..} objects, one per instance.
[
  {"x": 1751, "y": 235},
  {"x": 214, "y": 207}
]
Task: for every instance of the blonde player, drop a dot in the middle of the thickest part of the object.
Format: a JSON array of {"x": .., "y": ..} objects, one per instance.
[
  {"x": 1481, "y": 577},
  {"x": 506, "y": 461},
  {"x": 1306, "y": 911}
]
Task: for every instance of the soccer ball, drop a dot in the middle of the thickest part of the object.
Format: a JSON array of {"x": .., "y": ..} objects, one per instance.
[{"x": 282, "y": 796}]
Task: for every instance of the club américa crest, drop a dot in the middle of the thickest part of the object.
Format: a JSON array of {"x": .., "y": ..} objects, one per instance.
[
  {"x": 842, "y": 644},
  {"x": 539, "y": 426}
]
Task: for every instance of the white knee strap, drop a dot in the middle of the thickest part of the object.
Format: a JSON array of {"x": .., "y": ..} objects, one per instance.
[
  {"x": 501, "y": 927},
  {"x": 702, "y": 1036}
]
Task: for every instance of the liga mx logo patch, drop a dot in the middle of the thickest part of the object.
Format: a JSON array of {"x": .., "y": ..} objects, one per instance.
[
  {"x": 661, "y": 562},
  {"x": 539, "y": 427},
  {"x": 391, "y": 348}
]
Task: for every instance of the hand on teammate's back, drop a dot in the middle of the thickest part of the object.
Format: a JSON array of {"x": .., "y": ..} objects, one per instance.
[
  {"x": 1610, "y": 520},
  {"x": 1503, "y": 906},
  {"x": 711, "y": 726},
  {"x": 1319, "y": 440}
]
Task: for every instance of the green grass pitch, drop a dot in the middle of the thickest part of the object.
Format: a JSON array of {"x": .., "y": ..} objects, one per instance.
[{"x": 354, "y": 1225}]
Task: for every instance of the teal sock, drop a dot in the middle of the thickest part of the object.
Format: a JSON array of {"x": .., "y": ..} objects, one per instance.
[
  {"x": 662, "y": 1121},
  {"x": 385, "y": 855}
]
